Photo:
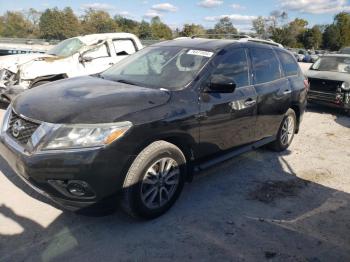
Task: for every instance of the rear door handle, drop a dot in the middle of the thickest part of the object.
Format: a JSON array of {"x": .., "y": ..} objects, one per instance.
[{"x": 250, "y": 102}]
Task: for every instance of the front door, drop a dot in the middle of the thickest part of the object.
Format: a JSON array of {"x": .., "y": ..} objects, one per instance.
[{"x": 227, "y": 120}]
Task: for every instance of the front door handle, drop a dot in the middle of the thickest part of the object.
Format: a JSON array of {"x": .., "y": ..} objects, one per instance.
[
  {"x": 287, "y": 92},
  {"x": 249, "y": 102}
]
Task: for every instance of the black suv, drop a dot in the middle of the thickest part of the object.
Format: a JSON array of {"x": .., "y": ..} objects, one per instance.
[{"x": 139, "y": 130}]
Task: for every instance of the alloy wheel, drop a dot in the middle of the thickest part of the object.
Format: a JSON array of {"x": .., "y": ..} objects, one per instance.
[
  {"x": 160, "y": 182},
  {"x": 287, "y": 131}
]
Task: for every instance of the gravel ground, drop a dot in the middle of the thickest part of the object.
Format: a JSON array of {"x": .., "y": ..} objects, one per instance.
[{"x": 292, "y": 206}]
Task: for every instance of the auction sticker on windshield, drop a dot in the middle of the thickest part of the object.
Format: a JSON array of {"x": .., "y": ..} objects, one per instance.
[{"x": 200, "y": 53}]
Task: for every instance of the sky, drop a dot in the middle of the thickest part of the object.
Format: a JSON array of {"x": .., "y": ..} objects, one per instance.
[{"x": 206, "y": 12}]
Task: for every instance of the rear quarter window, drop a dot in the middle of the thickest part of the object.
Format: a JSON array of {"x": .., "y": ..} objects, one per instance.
[
  {"x": 265, "y": 65},
  {"x": 289, "y": 65}
]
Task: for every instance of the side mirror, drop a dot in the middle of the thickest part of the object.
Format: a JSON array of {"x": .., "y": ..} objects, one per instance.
[{"x": 221, "y": 84}]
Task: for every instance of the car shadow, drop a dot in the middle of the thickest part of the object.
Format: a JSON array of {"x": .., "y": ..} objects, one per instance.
[
  {"x": 253, "y": 207},
  {"x": 341, "y": 116}
]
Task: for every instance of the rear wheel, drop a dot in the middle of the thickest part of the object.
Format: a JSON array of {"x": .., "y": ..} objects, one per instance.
[
  {"x": 286, "y": 132},
  {"x": 154, "y": 180}
]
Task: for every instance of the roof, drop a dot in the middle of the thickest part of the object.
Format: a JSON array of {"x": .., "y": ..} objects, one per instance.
[
  {"x": 211, "y": 44},
  {"x": 93, "y": 38}
]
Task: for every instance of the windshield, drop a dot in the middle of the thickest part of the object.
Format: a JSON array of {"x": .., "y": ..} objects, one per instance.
[
  {"x": 333, "y": 64},
  {"x": 159, "y": 67},
  {"x": 66, "y": 48}
]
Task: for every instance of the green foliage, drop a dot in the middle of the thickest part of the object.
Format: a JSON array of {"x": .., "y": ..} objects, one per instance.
[
  {"x": 191, "y": 30},
  {"x": 144, "y": 30},
  {"x": 57, "y": 24},
  {"x": 14, "y": 24},
  {"x": 61, "y": 24},
  {"x": 331, "y": 38},
  {"x": 342, "y": 22},
  {"x": 224, "y": 26},
  {"x": 127, "y": 25},
  {"x": 260, "y": 26},
  {"x": 98, "y": 21},
  {"x": 160, "y": 30},
  {"x": 312, "y": 38}
]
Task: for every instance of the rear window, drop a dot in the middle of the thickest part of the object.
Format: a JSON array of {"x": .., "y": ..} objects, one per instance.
[
  {"x": 289, "y": 65},
  {"x": 124, "y": 46},
  {"x": 265, "y": 65}
]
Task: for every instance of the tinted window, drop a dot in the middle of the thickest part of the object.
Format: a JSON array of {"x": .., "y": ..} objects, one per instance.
[
  {"x": 265, "y": 65},
  {"x": 289, "y": 65},
  {"x": 235, "y": 66}
]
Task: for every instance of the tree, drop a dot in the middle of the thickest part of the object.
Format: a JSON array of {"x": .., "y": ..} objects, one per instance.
[
  {"x": 260, "y": 26},
  {"x": 159, "y": 29},
  {"x": 331, "y": 38},
  {"x": 191, "y": 30},
  {"x": 342, "y": 22},
  {"x": 312, "y": 38},
  {"x": 33, "y": 16},
  {"x": 98, "y": 21},
  {"x": 225, "y": 26},
  {"x": 127, "y": 25},
  {"x": 15, "y": 25},
  {"x": 145, "y": 31},
  {"x": 57, "y": 24}
]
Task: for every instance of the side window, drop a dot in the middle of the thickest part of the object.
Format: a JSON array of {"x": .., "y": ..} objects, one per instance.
[
  {"x": 123, "y": 47},
  {"x": 235, "y": 66},
  {"x": 289, "y": 65},
  {"x": 265, "y": 65},
  {"x": 98, "y": 52}
]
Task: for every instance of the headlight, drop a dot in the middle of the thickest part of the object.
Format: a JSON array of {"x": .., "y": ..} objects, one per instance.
[
  {"x": 345, "y": 86},
  {"x": 84, "y": 135}
]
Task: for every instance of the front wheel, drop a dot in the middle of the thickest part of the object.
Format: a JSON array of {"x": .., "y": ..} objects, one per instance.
[
  {"x": 286, "y": 132},
  {"x": 154, "y": 180}
]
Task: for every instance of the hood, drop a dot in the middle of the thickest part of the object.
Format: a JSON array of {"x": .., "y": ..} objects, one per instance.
[
  {"x": 86, "y": 100},
  {"x": 47, "y": 65},
  {"x": 328, "y": 75},
  {"x": 11, "y": 62}
]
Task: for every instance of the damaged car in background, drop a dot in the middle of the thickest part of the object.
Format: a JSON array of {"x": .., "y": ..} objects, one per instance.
[
  {"x": 330, "y": 81},
  {"x": 77, "y": 56}
]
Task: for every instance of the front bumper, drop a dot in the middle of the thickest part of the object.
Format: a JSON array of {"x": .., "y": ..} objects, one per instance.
[
  {"x": 97, "y": 167},
  {"x": 336, "y": 99}
]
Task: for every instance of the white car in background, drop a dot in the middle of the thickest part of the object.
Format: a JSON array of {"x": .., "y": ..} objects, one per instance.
[{"x": 77, "y": 56}]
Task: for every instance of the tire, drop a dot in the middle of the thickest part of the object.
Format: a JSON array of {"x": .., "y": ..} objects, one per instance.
[
  {"x": 144, "y": 177},
  {"x": 284, "y": 140}
]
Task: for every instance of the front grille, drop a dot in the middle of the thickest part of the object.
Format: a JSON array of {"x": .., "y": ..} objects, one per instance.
[
  {"x": 324, "y": 85},
  {"x": 26, "y": 131},
  {"x": 322, "y": 96}
]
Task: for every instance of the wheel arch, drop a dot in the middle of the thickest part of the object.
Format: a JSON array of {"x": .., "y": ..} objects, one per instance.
[{"x": 297, "y": 112}]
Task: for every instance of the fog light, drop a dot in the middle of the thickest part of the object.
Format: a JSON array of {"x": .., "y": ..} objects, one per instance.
[
  {"x": 73, "y": 188},
  {"x": 76, "y": 189}
]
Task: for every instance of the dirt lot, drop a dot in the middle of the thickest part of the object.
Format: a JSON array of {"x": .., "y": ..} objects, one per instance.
[{"x": 293, "y": 206}]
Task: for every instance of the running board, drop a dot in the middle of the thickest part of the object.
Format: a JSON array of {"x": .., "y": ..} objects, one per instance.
[{"x": 233, "y": 153}]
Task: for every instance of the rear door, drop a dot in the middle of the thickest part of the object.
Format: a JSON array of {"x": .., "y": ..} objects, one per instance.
[
  {"x": 273, "y": 89},
  {"x": 228, "y": 120}
]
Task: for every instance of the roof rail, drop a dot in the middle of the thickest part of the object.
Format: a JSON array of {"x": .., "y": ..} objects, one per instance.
[
  {"x": 261, "y": 41},
  {"x": 232, "y": 36}
]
